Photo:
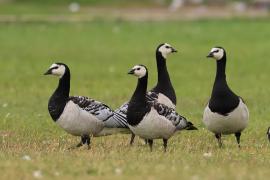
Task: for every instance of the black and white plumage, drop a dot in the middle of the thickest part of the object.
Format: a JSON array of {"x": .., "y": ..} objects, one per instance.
[
  {"x": 150, "y": 119},
  {"x": 163, "y": 92},
  {"x": 226, "y": 113},
  {"x": 78, "y": 115},
  {"x": 268, "y": 134}
]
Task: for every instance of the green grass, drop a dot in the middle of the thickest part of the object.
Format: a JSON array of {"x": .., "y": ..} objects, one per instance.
[{"x": 99, "y": 55}]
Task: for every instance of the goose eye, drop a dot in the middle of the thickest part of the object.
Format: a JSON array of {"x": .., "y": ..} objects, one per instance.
[
  {"x": 138, "y": 69},
  {"x": 167, "y": 47},
  {"x": 56, "y": 67}
]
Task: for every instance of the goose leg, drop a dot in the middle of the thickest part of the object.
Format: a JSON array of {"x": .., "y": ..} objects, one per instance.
[
  {"x": 86, "y": 140},
  {"x": 238, "y": 135},
  {"x": 132, "y": 138},
  {"x": 218, "y": 136},
  {"x": 165, "y": 142},
  {"x": 150, "y": 142}
]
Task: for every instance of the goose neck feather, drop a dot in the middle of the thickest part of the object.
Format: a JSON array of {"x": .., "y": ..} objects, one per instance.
[
  {"x": 138, "y": 105},
  {"x": 60, "y": 96},
  {"x": 164, "y": 84},
  {"x": 223, "y": 100}
]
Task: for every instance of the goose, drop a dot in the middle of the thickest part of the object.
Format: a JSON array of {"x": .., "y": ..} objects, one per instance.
[
  {"x": 268, "y": 133},
  {"x": 149, "y": 119},
  {"x": 163, "y": 92},
  {"x": 226, "y": 113},
  {"x": 79, "y": 115}
]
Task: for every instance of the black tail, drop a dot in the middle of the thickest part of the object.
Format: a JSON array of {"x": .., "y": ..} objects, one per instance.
[{"x": 190, "y": 126}]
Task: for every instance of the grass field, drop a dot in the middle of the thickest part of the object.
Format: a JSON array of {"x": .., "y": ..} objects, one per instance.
[{"x": 99, "y": 55}]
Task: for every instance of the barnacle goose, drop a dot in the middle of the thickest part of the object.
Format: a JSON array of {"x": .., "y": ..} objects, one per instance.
[
  {"x": 163, "y": 91},
  {"x": 226, "y": 113},
  {"x": 79, "y": 115},
  {"x": 150, "y": 119},
  {"x": 268, "y": 134}
]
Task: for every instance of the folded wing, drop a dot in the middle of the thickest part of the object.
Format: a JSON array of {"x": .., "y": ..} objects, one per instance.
[
  {"x": 177, "y": 120},
  {"x": 103, "y": 112}
]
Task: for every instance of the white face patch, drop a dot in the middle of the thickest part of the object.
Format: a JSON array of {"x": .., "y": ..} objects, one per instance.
[
  {"x": 139, "y": 71},
  {"x": 218, "y": 53},
  {"x": 165, "y": 49},
  {"x": 58, "y": 70}
]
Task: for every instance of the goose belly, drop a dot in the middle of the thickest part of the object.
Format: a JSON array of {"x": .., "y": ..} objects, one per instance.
[
  {"x": 77, "y": 121},
  {"x": 153, "y": 126},
  {"x": 162, "y": 99},
  {"x": 235, "y": 121}
]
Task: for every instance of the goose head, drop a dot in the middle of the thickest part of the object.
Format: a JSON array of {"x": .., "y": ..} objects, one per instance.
[
  {"x": 165, "y": 49},
  {"x": 138, "y": 71},
  {"x": 57, "y": 69},
  {"x": 217, "y": 53}
]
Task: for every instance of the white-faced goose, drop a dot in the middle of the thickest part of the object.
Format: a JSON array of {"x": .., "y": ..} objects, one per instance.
[
  {"x": 78, "y": 115},
  {"x": 150, "y": 119},
  {"x": 226, "y": 113},
  {"x": 163, "y": 92}
]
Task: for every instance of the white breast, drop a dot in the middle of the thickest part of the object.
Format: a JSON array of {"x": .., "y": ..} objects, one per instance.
[
  {"x": 162, "y": 99},
  {"x": 235, "y": 121},
  {"x": 154, "y": 126},
  {"x": 77, "y": 121}
]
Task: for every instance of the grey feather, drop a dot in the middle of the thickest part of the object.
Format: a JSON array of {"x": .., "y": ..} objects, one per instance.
[
  {"x": 151, "y": 96},
  {"x": 96, "y": 108},
  {"x": 103, "y": 112},
  {"x": 177, "y": 120}
]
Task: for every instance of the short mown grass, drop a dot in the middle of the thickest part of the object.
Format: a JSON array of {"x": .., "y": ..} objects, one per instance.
[{"x": 99, "y": 55}]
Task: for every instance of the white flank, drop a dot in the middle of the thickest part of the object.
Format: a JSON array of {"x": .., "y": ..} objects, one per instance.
[
  {"x": 77, "y": 121},
  {"x": 154, "y": 126},
  {"x": 162, "y": 99},
  {"x": 236, "y": 121}
]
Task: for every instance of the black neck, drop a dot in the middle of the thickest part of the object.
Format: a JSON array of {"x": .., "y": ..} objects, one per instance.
[
  {"x": 140, "y": 91},
  {"x": 60, "y": 96},
  {"x": 220, "y": 84},
  {"x": 223, "y": 100},
  {"x": 138, "y": 106},
  {"x": 164, "y": 84},
  {"x": 221, "y": 67},
  {"x": 163, "y": 75},
  {"x": 64, "y": 86}
]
